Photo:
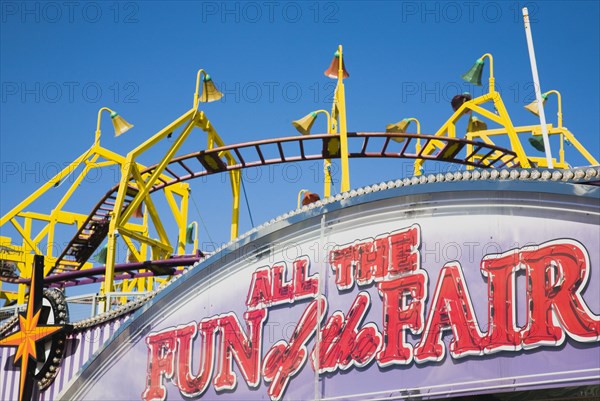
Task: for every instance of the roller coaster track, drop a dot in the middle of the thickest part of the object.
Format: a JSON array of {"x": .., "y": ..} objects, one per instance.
[
  {"x": 152, "y": 268},
  {"x": 273, "y": 151}
]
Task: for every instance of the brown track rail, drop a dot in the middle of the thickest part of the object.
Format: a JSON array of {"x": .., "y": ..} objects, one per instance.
[{"x": 261, "y": 153}]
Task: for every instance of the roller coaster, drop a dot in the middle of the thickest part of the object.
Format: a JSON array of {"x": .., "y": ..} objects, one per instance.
[
  {"x": 151, "y": 262},
  {"x": 128, "y": 214}
]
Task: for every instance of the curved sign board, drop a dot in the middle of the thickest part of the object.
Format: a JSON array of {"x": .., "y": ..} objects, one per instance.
[{"x": 425, "y": 291}]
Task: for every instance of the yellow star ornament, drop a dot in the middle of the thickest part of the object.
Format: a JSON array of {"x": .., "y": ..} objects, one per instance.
[{"x": 29, "y": 333}]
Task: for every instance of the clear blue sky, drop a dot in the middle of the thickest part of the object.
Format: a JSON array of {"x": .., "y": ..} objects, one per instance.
[{"x": 60, "y": 63}]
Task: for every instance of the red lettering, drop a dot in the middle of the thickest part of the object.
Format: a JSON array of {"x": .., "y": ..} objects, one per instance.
[
  {"x": 503, "y": 333},
  {"x": 259, "y": 293},
  {"x": 451, "y": 308},
  {"x": 161, "y": 351},
  {"x": 342, "y": 344},
  {"x": 403, "y": 309},
  {"x": 372, "y": 261},
  {"x": 557, "y": 272},
  {"x": 304, "y": 286},
  {"x": 282, "y": 291},
  {"x": 268, "y": 287},
  {"x": 190, "y": 385},
  {"x": 245, "y": 350},
  {"x": 285, "y": 359},
  {"x": 377, "y": 260},
  {"x": 342, "y": 262},
  {"x": 404, "y": 253}
]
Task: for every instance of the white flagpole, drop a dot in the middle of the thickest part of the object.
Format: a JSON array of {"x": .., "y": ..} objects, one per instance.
[{"x": 537, "y": 88}]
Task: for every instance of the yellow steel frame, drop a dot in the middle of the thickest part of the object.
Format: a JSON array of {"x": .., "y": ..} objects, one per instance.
[
  {"x": 23, "y": 221},
  {"x": 134, "y": 177},
  {"x": 327, "y": 162},
  {"x": 536, "y": 130},
  {"x": 559, "y": 112},
  {"x": 195, "y": 225},
  {"x": 131, "y": 177},
  {"x": 337, "y": 119},
  {"x": 501, "y": 117},
  {"x": 33, "y": 242},
  {"x": 418, "y": 143},
  {"x": 338, "y": 111}
]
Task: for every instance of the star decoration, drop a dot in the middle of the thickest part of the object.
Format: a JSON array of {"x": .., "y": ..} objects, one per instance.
[{"x": 30, "y": 331}]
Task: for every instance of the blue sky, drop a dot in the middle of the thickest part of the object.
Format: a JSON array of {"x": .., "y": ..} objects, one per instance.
[{"x": 60, "y": 62}]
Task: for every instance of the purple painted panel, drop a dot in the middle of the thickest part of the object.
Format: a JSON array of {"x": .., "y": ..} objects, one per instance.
[{"x": 406, "y": 304}]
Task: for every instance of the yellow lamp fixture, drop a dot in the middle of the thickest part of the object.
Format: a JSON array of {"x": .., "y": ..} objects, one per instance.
[
  {"x": 538, "y": 141},
  {"x": 401, "y": 127},
  {"x": 337, "y": 70},
  {"x": 533, "y": 106},
  {"x": 304, "y": 125},
  {"x": 210, "y": 93},
  {"x": 119, "y": 124},
  {"x": 476, "y": 124}
]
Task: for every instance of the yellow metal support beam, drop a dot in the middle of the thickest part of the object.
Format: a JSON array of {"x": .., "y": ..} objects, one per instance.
[
  {"x": 214, "y": 140},
  {"x": 144, "y": 196},
  {"x": 41, "y": 190},
  {"x": 87, "y": 161},
  {"x": 146, "y": 240},
  {"x": 137, "y": 255},
  {"x": 180, "y": 214},
  {"x": 515, "y": 143},
  {"x": 535, "y": 130},
  {"x": 117, "y": 220},
  {"x": 340, "y": 102},
  {"x": 571, "y": 138},
  {"x": 502, "y": 118}
]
